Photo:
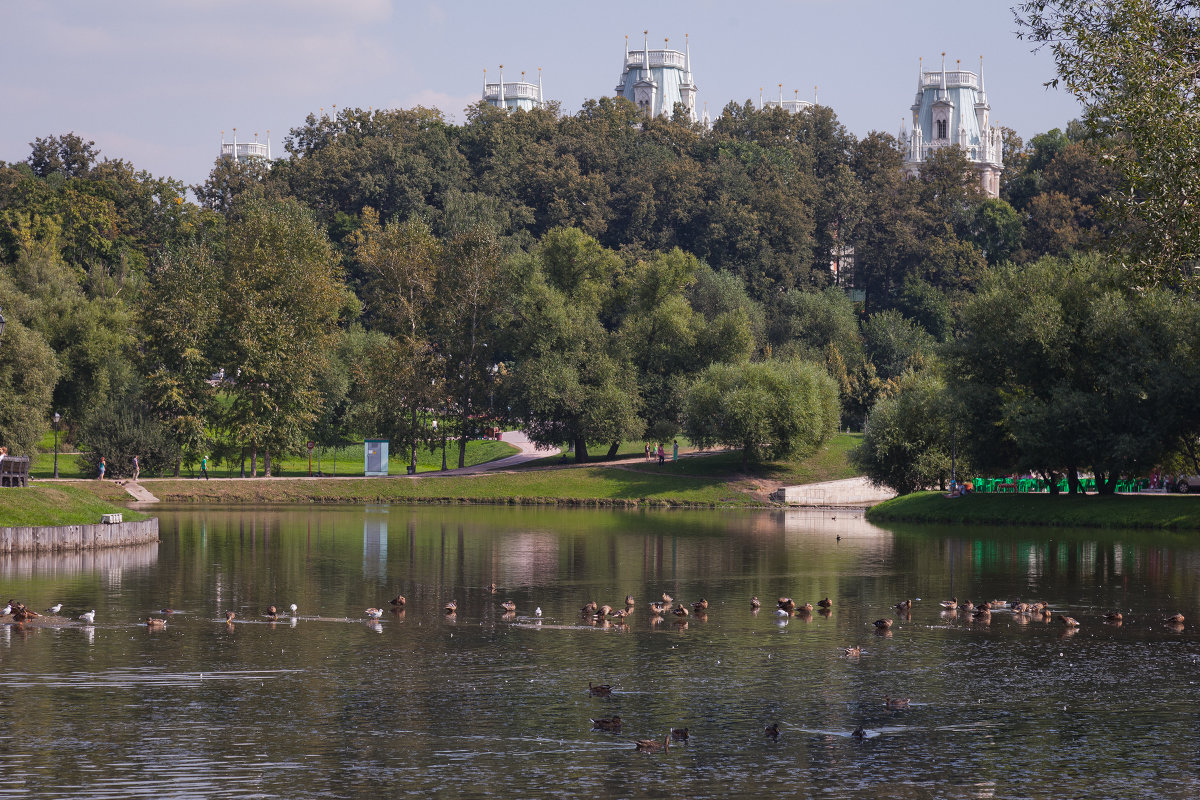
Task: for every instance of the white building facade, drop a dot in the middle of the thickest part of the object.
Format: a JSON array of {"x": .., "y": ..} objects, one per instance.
[
  {"x": 951, "y": 109},
  {"x": 655, "y": 80},
  {"x": 514, "y": 95},
  {"x": 244, "y": 151}
]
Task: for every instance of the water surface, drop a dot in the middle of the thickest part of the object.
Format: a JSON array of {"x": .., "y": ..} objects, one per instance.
[{"x": 483, "y": 705}]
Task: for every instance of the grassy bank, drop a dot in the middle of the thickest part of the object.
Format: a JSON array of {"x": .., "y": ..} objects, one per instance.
[
  {"x": 1091, "y": 511},
  {"x": 586, "y": 485},
  {"x": 56, "y": 505}
]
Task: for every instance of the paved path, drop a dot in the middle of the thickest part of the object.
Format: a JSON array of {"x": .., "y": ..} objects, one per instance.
[
  {"x": 139, "y": 492},
  {"x": 518, "y": 439},
  {"x": 856, "y": 492}
]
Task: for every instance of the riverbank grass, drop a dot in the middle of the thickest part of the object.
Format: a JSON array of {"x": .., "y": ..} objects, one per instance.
[
  {"x": 56, "y": 505},
  {"x": 1180, "y": 512}
]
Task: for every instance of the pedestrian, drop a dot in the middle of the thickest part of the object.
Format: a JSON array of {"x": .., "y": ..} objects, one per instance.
[
  {"x": 204, "y": 466},
  {"x": 647, "y": 451},
  {"x": 662, "y": 454},
  {"x": 675, "y": 450},
  {"x": 137, "y": 469},
  {"x": 103, "y": 466}
]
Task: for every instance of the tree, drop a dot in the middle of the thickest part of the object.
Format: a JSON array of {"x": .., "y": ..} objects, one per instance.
[
  {"x": 178, "y": 315},
  {"x": 895, "y": 345},
  {"x": 907, "y": 442},
  {"x": 281, "y": 293},
  {"x": 1132, "y": 63},
  {"x": 769, "y": 409},
  {"x": 28, "y": 372},
  {"x": 1065, "y": 366},
  {"x": 121, "y": 429},
  {"x": 67, "y": 155}
]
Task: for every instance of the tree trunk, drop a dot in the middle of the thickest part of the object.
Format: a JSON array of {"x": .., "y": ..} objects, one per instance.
[
  {"x": 1073, "y": 481},
  {"x": 581, "y": 454},
  {"x": 254, "y": 461},
  {"x": 612, "y": 451},
  {"x": 413, "y": 454},
  {"x": 243, "y": 472},
  {"x": 1107, "y": 484},
  {"x": 462, "y": 450},
  {"x": 1051, "y": 479},
  {"x": 267, "y": 462}
]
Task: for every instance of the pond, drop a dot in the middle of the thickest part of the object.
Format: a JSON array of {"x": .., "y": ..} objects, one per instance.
[{"x": 328, "y": 703}]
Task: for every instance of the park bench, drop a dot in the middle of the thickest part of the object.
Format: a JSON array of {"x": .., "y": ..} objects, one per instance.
[{"x": 14, "y": 471}]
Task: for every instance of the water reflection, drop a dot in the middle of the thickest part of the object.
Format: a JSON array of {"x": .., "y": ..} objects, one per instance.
[
  {"x": 111, "y": 562},
  {"x": 488, "y": 702}
]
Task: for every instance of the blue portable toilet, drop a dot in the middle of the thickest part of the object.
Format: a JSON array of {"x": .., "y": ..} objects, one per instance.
[{"x": 375, "y": 457}]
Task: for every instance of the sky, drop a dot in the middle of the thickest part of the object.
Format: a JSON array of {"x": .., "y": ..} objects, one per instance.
[{"x": 155, "y": 83}]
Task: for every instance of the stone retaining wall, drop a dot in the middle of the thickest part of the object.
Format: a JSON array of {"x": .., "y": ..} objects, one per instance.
[{"x": 76, "y": 537}]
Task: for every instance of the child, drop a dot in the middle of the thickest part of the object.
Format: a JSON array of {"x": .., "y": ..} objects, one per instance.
[
  {"x": 103, "y": 466},
  {"x": 137, "y": 469}
]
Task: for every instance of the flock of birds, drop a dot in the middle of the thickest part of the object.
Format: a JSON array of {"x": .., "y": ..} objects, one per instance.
[{"x": 594, "y": 613}]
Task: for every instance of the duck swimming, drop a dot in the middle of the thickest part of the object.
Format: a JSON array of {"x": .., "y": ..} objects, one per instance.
[
  {"x": 1174, "y": 619},
  {"x": 826, "y": 603},
  {"x": 883, "y": 623},
  {"x": 950, "y": 604},
  {"x": 755, "y": 603},
  {"x": 607, "y": 724},
  {"x": 771, "y": 731},
  {"x": 398, "y": 600},
  {"x": 895, "y": 702},
  {"x": 509, "y": 606},
  {"x": 852, "y": 651},
  {"x": 679, "y": 734},
  {"x": 653, "y": 746},
  {"x": 599, "y": 690}
]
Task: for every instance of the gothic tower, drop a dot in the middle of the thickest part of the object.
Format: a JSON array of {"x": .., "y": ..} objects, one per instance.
[
  {"x": 655, "y": 80},
  {"x": 951, "y": 108}
]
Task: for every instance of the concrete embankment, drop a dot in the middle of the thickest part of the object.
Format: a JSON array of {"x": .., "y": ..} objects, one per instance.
[{"x": 31, "y": 539}]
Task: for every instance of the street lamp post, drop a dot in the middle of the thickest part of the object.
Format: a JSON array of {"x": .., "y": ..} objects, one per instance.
[{"x": 57, "y": 419}]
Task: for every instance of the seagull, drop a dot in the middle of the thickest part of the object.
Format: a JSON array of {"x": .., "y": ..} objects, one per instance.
[
  {"x": 7, "y": 610},
  {"x": 54, "y": 609},
  {"x": 537, "y": 612},
  {"x": 293, "y": 608},
  {"x": 89, "y": 617},
  {"x": 374, "y": 613}
]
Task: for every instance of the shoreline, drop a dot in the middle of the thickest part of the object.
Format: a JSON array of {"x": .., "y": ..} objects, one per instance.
[{"x": 1133, "y": 511}]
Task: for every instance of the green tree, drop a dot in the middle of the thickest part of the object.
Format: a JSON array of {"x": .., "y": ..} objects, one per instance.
[
  {"x": 907, "y": 442},
  {"x": 28, "y": 372},
  {"x": 769, "y": 409},
  {"x": 281, "y": 294}
]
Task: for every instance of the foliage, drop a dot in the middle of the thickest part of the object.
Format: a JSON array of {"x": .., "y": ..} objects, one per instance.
[
  {"x": 28, "y": 372},
  {"x": 772, "y": 409},
  {"x": 1133, "y": 65},
  {"x": 907, "y": 443},
  {"x": 120, "y": 430}
]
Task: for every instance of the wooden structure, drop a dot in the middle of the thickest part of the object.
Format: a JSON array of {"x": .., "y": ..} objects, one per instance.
[
  {"x": 76, "y": 537},
  {"x": 14, "y": 471}
]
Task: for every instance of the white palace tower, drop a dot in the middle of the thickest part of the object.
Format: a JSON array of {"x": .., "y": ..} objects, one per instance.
[
  {"x": 658, "y": 79},
  {"x": 951, "y": 108},
  {"x": 514, "y": 95}
]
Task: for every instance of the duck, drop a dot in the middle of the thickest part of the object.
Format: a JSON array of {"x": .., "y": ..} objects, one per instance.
[
  {"x": 755, "y": 603},
  {"x": 679, "y": 734},
  {"x": 680, "y": 610},
  {"x": 667, "y": 599},
  {"x": 771, "y": 731},
  {"x": 620, "y": 613},
  {"x": 54, "y": 609},
  {"x": 826, "y": 603},
  {"x": 229, "y": 616},
  {"x": 492, "y": 588},
  {"x": 604, "y": 611},
  {"x": 607, "y": 724},
  {"x": 1174, "y": 619},
  {"x": 949, "y": 605},
  {"x": 155, "y": 622},
  {"x": 966, "y": 605},
  {"x": 599, "y": 690},
  {"x": 1021, "y": 608},
  {"x": 22, "y": 614},
  {"x": 983, "y": 612},
  {"x": 883, "y": 623},
  {"x": 654, "y": 746},
  {"x": 451, "y": 607},
  {"x": 853, "y": 651},
  {"x": 629, "y": 601},
  {"x": 787, "y": 604},
  {"x": 896, "y": 702},
  {"x": 700, "y": 605},
  {"x": 658, "y": 609},
  {"x": 398, "y": 600},
  {"x": 374, "y": 613},
  {"x": 1070, "y": 622},
  {"x": 509, "y": 606},
  {"x": 88, "y": 617},
  {"x": 903, "y": 605},
  {"x": 807, "y": 608},
  {"x": 859, "y": 733},
  {"x": 166, "y": 611},
  {"x": 272, "y": 612},
  {"x": 589, "y": 608},
  {"x": 1113, "y": 616}
]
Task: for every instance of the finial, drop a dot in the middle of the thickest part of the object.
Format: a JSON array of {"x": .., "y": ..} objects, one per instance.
[{"x": 816, "y": 101}]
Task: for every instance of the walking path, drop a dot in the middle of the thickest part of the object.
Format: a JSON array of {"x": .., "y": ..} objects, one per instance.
[
  {"x": 848, "y": 492},
  {"x": 139, "y": 492},
  {"x": 518, "y": 439}
]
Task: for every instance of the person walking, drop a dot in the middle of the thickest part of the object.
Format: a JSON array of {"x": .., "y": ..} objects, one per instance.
[
  {"x": 647, "y": 451},
  {"x": 103, "y": 466},
  {"x": 675, "y": 450},
  {"x": 137, "y": 469},
  {"x": 204, "y": 466},
  {"x": 662, "y": 454}
]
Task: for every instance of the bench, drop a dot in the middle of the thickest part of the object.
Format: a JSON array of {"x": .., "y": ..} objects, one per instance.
[{"x": 14, "y": 471}]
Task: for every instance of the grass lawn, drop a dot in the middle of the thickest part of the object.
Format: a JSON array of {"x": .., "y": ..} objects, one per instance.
[
  {"x": 627, "y": 450},
  {"x": 348, "y": 462},
  {"x": 830, "y": 463},
  {"x": 585, "y": 485},
  {"x": 1085, "y": 511},
  {"x": 57, "y": 505}
]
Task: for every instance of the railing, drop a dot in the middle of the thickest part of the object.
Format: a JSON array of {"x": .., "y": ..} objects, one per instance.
[
  {"x": 954, "y": 78},
  {"x": 794, "y": 106},
  {"x": 512, "y": 91},
  {"x": 658, "y": 58},
  {"x": 244, "y": 149}
]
